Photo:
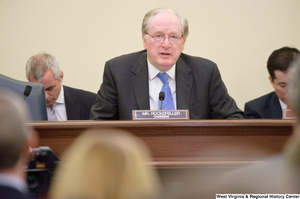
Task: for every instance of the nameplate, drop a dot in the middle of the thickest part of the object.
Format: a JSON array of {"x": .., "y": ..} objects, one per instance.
[
  {"x": 288, "y": 114},
  {"x": 160, "y": 115}
]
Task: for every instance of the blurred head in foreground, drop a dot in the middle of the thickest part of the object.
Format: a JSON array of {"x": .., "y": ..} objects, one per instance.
[
  {"x": 106, "y": 164},
  {"x": 16, "y": 138},
  {"x": 293, "y": 146},
  {"x": 294, "y": 89}
]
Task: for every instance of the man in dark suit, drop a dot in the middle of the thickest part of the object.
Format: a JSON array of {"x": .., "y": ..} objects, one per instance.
[
  {"x": 130, "y": 82},
  {"x": 16, "y": 139},
  {"x": 270, "y": 106},
  {"x": 63, "y": 102}
]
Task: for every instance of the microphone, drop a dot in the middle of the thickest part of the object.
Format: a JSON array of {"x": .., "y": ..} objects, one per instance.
[
  {"x": 161, "y": 98},
  {"x": 27, "y": 91}
]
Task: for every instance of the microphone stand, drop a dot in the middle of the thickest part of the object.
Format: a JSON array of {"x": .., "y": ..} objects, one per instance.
[{"x": 161, "y": 98}]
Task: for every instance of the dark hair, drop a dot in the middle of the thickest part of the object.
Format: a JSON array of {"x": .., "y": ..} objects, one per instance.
[{"x": 281, "y": 59}]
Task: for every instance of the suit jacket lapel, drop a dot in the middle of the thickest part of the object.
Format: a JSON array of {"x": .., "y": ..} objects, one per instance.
[
  {"x": 184, "y": 81},
  {"x": 140, "y": 82},
  {"x": 274, "y": 108},
  {"x": 72, "y": 109}
]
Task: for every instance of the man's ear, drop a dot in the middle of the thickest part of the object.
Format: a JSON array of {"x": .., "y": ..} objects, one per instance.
[
  {"x": 61, "y": 77},
  {"x": 144, "y": 41},
  {"x": 183, "y": 43}
]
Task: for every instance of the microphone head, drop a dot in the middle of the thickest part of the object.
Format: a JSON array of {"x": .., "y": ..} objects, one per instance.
[
  {"x": 27, "y": 91},
  {"x": 161, "y": 96}
]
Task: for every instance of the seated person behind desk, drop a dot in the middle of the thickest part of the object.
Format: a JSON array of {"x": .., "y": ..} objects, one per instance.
[
  {"x": 131, "y": 82},
  {"x": 270, "y": 106},
  {"x": 16, "y": 139},
  {"x": 63, "y": 102},
  {"x": 106, "y": 164}
]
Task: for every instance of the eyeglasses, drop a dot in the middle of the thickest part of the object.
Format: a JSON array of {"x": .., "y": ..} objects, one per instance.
[{"x": 161, "y": 38}]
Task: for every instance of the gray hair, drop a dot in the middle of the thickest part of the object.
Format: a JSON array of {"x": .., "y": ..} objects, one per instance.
[
  {"x": 294, "y": 82},
  {"x": 13, "y": 128},
  {"x": 149, "y": 16},
  {"x": 38, "y": 65}
]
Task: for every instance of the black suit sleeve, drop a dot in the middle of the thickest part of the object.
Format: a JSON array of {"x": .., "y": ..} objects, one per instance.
[
  {"x": 250, "y": 113},
  {"x": 106, "y": 104},
  {"x": 221, "y": 104},
  {"x": 264, "y": 107}
]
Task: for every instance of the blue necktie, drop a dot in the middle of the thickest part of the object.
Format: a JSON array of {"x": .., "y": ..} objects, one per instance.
[{"x": 168, "y": 103}]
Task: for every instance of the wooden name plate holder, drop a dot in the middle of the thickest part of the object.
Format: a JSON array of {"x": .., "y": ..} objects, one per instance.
[{"x": 288, "y": 114}]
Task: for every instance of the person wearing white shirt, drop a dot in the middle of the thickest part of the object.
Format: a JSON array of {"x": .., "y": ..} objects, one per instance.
[{"x": 134, "y": 81}]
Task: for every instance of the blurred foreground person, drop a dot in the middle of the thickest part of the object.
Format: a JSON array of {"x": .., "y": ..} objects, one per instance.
[
  {"x": 16, "y": 139},
  {"x": 293, "y": 147},
  {"x": 105, "y": 164},
  {"x": 279, "y": 173}
]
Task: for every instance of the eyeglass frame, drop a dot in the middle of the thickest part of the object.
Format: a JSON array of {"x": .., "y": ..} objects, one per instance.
[{"x": 164, "y": 38}]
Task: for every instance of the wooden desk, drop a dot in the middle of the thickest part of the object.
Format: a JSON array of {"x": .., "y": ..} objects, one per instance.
[{"x": 184, "y": 144}]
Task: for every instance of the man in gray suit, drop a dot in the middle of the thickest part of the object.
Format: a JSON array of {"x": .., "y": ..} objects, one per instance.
[{"x": 130, "y": 81}]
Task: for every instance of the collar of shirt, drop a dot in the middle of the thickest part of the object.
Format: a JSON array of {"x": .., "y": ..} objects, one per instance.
[
  {"x": 154, "y": 71},
  {"x": 61, "y": 96},
  {"x": 282, "y": 104},
  {"x": 13, "y": 182},
  {"x": 60, "y": 100},
  {"x": 59, "y": 106},
  {"x": 155, "y": 85}
]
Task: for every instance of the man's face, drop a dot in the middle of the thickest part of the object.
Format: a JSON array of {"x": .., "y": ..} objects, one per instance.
[
  {"x": 163, "y": 55},
  {"x": 280, "y": 85},
  {"x": 52, "y": 86}
]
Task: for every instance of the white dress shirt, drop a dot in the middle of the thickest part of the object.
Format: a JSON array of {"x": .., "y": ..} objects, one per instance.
[
  {"x": 282, "y": 104},
  {"x": 59, "y": 107},
  {"x": 155, "y": 85}
]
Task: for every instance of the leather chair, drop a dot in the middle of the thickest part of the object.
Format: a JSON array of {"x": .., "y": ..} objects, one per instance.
[{"x": 35, "y": 100}]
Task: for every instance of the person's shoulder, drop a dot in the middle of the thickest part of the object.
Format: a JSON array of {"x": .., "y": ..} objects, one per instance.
[
  {"x": 195, "y": 60},
  {"x": 129, "y": 56},
  {"x": 12, "y": 193},
  {"x": 262, "y": 99},
  {"x": 77, "y": 91}
]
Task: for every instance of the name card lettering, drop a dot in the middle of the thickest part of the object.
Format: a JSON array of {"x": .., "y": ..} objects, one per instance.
[{"x": 160, "y": 114}]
